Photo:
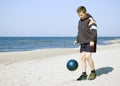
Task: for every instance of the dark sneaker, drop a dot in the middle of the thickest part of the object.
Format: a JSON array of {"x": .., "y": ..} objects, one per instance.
[
  {"x": 92, "y": 76},
  {"x": 82, "y": 77}
]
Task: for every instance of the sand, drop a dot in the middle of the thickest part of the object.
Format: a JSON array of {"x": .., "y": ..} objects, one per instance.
[{"x": 47, "y": 67}]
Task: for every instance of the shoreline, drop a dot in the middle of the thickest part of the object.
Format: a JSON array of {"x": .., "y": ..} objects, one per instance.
[
  {"x": 112, "y": 43},
  {"x": 29, "y": 44},
  {"x": 23, "y": 56}
]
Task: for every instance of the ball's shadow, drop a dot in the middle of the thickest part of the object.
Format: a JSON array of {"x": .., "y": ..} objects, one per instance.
[{"x": 104, "y": 70}]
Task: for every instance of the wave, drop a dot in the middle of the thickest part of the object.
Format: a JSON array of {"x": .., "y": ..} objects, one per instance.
[
  {"x": 35, "y": 41},
  {"x": 113, "y": 41}
]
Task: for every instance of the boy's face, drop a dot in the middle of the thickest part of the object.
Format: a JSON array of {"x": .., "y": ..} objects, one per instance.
[{"x": 82, "y": 15}]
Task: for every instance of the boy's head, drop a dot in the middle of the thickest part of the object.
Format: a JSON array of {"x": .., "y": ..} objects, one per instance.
[{"x": 82, "y": 12}]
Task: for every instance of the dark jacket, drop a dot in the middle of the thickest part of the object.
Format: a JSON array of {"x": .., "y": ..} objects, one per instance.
[{"x": 85, "y": 32}]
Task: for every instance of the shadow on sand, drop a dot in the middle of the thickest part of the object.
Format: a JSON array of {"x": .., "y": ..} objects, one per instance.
[{"x": 104, "y": 70}]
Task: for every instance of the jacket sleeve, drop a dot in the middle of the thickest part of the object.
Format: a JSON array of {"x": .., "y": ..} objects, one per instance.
[
  {"x": 93, "y": 29},
  {"x": 77, "y": 38}
]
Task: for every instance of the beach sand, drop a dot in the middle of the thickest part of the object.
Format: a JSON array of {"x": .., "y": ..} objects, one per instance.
[{"x": 47, "y": 67}]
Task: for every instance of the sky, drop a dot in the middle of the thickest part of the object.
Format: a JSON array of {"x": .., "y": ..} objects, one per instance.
[{"x": 43, "y": 18}]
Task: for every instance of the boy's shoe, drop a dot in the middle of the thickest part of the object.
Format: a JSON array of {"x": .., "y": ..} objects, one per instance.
[
  {"x": 92, "y": 76},
  {"x": 82, "y": 77}
]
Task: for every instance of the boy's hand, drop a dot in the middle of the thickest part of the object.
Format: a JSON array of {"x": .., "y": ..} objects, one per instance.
[
  {"x": 75, "y": 42},
  {"x": 91, "y": 43},
  {"x": 91, "y": 22}
]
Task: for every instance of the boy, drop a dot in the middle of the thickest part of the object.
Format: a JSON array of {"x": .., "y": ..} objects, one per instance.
[{"x": 87, "y": 37}]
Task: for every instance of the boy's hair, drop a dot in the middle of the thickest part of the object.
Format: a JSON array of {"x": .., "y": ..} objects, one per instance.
[{"x": 81, "y": 9}]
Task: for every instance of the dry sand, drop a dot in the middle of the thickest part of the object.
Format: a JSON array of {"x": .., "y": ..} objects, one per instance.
[{"x": 47, "y": 67}]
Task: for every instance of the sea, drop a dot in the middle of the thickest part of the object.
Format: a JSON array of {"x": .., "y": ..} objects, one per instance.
[{"x": 12, "y": 44}]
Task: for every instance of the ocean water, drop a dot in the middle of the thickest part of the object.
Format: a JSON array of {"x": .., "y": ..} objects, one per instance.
[{"x": 10, "y": 44}]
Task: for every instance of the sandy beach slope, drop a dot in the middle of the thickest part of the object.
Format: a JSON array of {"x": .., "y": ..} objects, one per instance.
[{"x": 47, "y": 67}]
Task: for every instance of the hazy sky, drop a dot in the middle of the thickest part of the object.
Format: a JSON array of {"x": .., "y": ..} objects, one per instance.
[{"x": 56, "y": 17}]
